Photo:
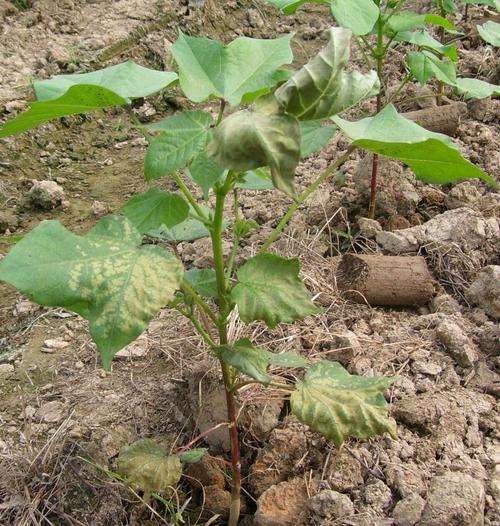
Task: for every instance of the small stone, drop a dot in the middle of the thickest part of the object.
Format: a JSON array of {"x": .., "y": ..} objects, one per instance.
[
  {"x": 485, "y": 290},
  {"x": 8, "y": 221},
  {"x": 463, "y": 194},
  {"x": 445, "y": 304},
  {"x": 429, "y": 368},
  {"x": 209, "y": 471},
  {"x": 255, "y": 18},
  {"x": 454, "y": 499},
  {"x": 6, "y": 369},
  {"x": 408, "y": 511},
  {"x": 457, "y": 343},
  {"x": 99, "y": 209},
  {"x": 369, "y": 227},
  {"x": 56, "y": 344},
  {"x": 46, "y": 195},
  {"x": 331, "y": 504},
  {"x": 137, "y": 349},
  {"x": 51, "y": 412},
  {"x": 345, "y": 472},
  {"x": 28, "y": 412},
  {"x": 58, "y": 54},
  {"x": 284, "y": 504},
  {"x": 217, "y": 501},
  {"x": 378, "y": 495},
  {"x": 79, "y": 365},
  {"x": 346, "y": 346}
]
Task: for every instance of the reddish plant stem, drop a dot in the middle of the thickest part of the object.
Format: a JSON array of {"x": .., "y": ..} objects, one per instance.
[{"x": 201, "y": 436}]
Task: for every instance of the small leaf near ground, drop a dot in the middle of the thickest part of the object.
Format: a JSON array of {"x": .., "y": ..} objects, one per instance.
[
  {"x": 476, "y": 89},
  {"x": 254, "y": 362},
  {"x": 425, "y": 65},
  {"x": 432, "y": 156},
  {"x": 128, "y": 80},
  {"x": 203, "y": 281},
  {"x": 182, "y": 138},
  {"x": 340, "y": 405},
  {"x": 247, "y": 140},
  {"x": 269, "y": 289},
  {"x": 148, "y": 467},
  {"x": 360, "y": 16},
  {"x": 244, "y": 69},
  {"x": 105, "y": 276},
  {"x": 191, "y": 456},
  {"x": 490, "y": 32},
  {"x": 288, "y": 7},
  {"x": 154, "y": 208},
  {"x": 424, "y": 40},
  {"x": 78, "y": 99},
  {"x": 314, "y": 136},
  {"x": 323, "y": 88}
]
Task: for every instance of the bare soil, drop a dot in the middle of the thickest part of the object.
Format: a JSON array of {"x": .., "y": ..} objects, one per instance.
[{"x": 63, "y": 419}]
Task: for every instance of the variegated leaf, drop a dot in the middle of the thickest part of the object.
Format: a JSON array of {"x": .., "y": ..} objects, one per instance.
[
  {"x": 339, "y": 405},
  {"x": 323, "y": 87}
]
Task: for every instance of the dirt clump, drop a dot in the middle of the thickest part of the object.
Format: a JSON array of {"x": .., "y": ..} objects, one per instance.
[
  {"x": 484, "y": 291},
  {"x": 47, "y": 195}
]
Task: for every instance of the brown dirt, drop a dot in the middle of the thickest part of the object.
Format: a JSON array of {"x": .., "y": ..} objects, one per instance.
[{"x": 59, "y": 408}]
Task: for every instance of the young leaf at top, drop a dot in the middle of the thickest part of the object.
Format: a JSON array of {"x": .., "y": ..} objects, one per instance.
[
  {"x": 154, "y": 208},
  {"x": 476, "y": 89},
  {"x": 191, "y": 456},
  {"x": 432, "y": 156},
  {"x": 253, "y": 362},
  {"x": 246, "y": 140},
  {"x": 269, "y": 289},
  {"x": 409, "y": 20},
  {"x": 203, "y": 281},
  {"x": 425, "y": 65},
  {"x": 315, "y": 136},
  {"x": 105, "y": 276},
  {"x": 323, "y": 88},
  {"x": 360, "y": 16},
  {"x": 128, "y": 80},
  {"x": 490, "y": 32},
  {"x": 148, "y": 467},
  {"x": 423, "y": 39},
  {"x": 78, "y": 99},
  {"x": 339, "y": 405},
  {"x": 205, "y": 172},
  {"x": 244, "y": 69},
  {"x": 182, "y": 137},
  {"x": 288, "y": 7}
]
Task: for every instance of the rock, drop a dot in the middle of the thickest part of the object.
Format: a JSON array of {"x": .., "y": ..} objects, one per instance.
[
  {"x": 46, "y": 195},
  {"x": 485, "y": 290},
  {"x": 262, "y": 415},
  {"x": 254, "y": 18},
  {"x": 217, "y": 501},
  {"x": 51, "y": 412},
  {"x": 56, "y": 344},
  {"x": 58, "y": 54},
  {"x": 346, "y": 346},
  {"x": 24, "y": 308},
  {"x": 428, "y": 368},
  {"x": 408, "y": 511},
  {"x": 489, "y": 339},
  {"x": 277, "y": 460},
  {"x": 405, "y": 477},
  {"x": 8, "y": 221},
  {"x": 378, "y": 496},
  {"x": 331, "y": 504},
  {"x": 284, "y": 504},
  {"x": 6, "y": 369},
  {"x": 137, "y": 349},
  {"x": 432, "y": 196},
  {"x": 445, "y": 304},
  {"x": 99, "y": 209},
  {"x": 209, "y": 471},
  {"x": 463, "y": 194},
  {"x": 466, "y": 227},
  {"x": 369, "y": 227},
  {"x": 345, "y": 472},
  {"x": 454, "y": 499},
  {"x": 457, "y": 343}
]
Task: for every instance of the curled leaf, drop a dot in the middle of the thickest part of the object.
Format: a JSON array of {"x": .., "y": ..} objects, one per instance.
[
  {"x": 248, "y": 140},
  {"x": 323, "y": 88}
]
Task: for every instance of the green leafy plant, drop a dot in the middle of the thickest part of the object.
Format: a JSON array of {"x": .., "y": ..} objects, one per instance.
[
  {"x": 379, "y": 26},
  {"x": 118, "y": 283}
]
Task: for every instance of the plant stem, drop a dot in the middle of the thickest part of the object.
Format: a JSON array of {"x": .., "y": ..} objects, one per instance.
[
  {"x": 404, "y": 82},
  {"x": 380, "y": 56},
  {"x": 221, "y": 112},
  {"x": 224, "y": 308},
  {"x": 201, "y": 436},
  {"x": 303, "y": 197},
  {"x": 236, "y": 240},
  {"x": 189, "y": 196},
  {"x": 198, "y": 300}
]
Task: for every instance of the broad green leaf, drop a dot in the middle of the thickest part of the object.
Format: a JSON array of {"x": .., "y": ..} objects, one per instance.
[
  {"x": 340, "y": 405},
  {"x": 476, "y": 89},
  {"x": 253, "y": 361},
  {"x": 258, "y": 179},
  {"x": 425, "y": 65},
  {"x": 423, "y": 39},
  {"x": 406, "y": 21},
  {"x": 243, "y": 227},
  {"x": 128, "y": 80},
  {"x": 360, "y": 16},
  {"x": 269, "y": 289},
  {"x": 203, "y": 281},
  {"x": 148, "y": 467},
  {"x": 205, "y": 172},
  {"x": 105, "y": 276},
  {"x": 182, "y": 137},
  {"x": 322, "y": 87},
  {"x": 208, "y": 69},
  {"x": 154, "y": 208},
  {"x": 315, "y": 136},
  {"x": 449, "y": 6},
  {"x": 191, "y": 456},
  {"x": 78, "y": 99},
  {"x": 439, "y": 21},
  {"x": 247, "y": 140},
  {"x": 490, "y": 32},
  {"x": 288, "y": 7},
  {"x": 432, "y": 156}
]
